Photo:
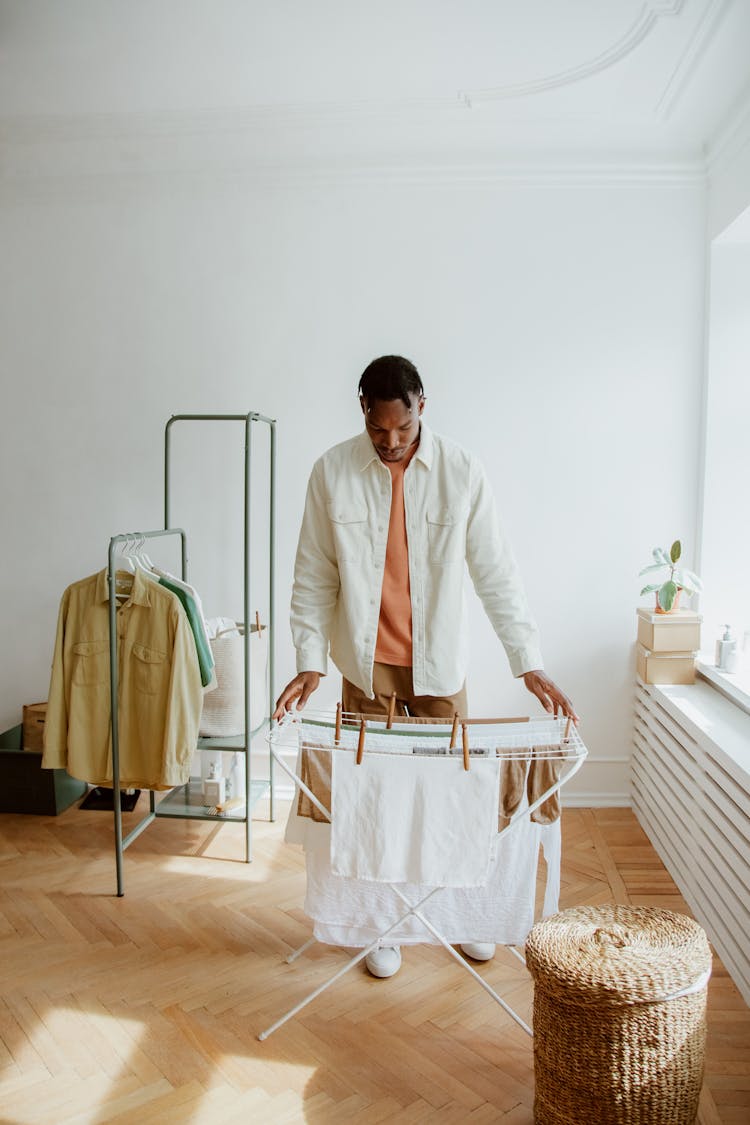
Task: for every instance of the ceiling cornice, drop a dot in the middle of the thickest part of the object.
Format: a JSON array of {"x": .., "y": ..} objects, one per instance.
[
  {"x": 733, "y": 135},
  {"x": 97, "y": 187},
  {"x": 207, "y": 140},
  {"x": 649, "y": 15},
  {"x": 695, "y": 49}
]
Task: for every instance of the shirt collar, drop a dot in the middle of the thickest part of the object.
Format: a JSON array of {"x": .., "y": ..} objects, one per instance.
[
  {"x": 366, "y": 452},
  {"x": 139, "y": 595}
]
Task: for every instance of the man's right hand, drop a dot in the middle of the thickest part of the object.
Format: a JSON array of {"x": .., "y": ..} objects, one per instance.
[{"x": 299, "y": 689}]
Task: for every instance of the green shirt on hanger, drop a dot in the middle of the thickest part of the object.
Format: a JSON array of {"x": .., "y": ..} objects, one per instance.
[{"x": 205, "y": 656}]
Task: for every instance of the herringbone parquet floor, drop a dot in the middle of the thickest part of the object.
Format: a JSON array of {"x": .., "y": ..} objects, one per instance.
[{"x": 146, "y": 1008}]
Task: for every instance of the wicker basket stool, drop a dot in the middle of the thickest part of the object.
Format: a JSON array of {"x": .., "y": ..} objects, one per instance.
[{"x": 619, "y": 1016}]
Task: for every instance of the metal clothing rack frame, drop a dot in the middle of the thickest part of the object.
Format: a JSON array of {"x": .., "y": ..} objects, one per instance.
[
  {"x": 573, "y": 757},
  {"x": 177, "y": 803}
]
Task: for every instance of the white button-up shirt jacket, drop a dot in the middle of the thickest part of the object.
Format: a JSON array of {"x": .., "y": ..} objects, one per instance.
[{"x": 450, "y": 520}]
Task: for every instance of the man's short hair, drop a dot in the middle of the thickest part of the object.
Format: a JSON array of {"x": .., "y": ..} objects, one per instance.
[{"x": 388, "y": 378}]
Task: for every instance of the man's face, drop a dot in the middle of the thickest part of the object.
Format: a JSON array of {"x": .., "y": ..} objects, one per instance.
[{"x": 392, "y": 426}]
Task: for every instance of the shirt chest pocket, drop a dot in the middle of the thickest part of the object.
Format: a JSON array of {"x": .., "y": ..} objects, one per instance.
[
  {"x": 90, "y": 663},
  {"x": 446, "y": 535},
  {"x": 349, "y": 524},
  {"x": 150, "y": 669}
]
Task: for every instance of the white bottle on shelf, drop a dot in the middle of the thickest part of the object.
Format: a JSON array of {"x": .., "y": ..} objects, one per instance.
[{"x": 727, "y": 657}]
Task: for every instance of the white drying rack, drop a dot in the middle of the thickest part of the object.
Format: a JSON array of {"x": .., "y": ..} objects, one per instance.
[{"x": 508, "y": 739}]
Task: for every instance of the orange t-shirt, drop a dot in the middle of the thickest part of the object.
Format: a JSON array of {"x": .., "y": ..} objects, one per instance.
[{"x": 394, "y": 628}]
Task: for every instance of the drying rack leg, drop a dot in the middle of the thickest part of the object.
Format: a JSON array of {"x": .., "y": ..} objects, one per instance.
[
  {"x": 415, "y": 911},
  {"x": 302, "y": 949},
  {"x": 345, "y": 969},
  {"x": 321, "y": 988},
  {"x": 516, "y": 953}
]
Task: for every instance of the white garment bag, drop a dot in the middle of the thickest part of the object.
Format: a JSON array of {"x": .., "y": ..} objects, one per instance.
[{"x": 223, "y": 714}]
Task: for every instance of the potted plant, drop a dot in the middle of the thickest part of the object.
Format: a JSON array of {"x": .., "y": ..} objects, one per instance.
[{"x": 668, "y": 592}]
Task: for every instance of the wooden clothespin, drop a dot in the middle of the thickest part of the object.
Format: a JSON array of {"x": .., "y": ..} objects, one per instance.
[
  {"x": 361, "y": 743},
  {"x": 391, "y": 711},
  {"x": 465, "y": 733},
  {"x": 454, "y": 731},
  {"x": 258, "y": 625},
  {"x": 337, "y": 732},
  {"x": 568, "y": 725}
]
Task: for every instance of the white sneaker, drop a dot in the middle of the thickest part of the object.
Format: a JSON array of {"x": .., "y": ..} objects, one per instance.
[
  {"x": 478, "y": 950},
  {"x": 384, "y": 962}
]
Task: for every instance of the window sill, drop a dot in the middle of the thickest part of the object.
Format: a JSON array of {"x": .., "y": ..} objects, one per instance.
[
  {"x": 720, "y": 726},
  {"x": 734, "y": 686}
]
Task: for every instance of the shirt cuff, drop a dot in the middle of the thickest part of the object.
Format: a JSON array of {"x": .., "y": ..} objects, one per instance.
[
  {"x": 525, "y": 660},
  {"x": 312, "y": 660}
]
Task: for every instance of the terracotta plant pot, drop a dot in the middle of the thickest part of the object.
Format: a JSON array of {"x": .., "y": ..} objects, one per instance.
[{"x": 675, "y": 603}]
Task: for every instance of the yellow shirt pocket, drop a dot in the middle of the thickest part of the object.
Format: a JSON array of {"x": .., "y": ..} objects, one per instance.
[
  {"x": 90, "y": 663},
  {"x": 149, "y": 669}
]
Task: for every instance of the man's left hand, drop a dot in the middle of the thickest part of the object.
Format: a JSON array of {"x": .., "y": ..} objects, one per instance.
[{"x": 549, "y": 694}]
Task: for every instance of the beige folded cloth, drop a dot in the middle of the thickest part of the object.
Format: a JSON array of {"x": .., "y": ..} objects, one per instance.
[
  {"x": 315, "y": 772},
  {"x": 512, "y": 783},
  {"x": 543, "y": 773}
]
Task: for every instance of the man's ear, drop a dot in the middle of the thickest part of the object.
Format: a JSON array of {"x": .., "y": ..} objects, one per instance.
[
  {"x": 362, "y": 404},
  {"x": 421, "y": 403}
]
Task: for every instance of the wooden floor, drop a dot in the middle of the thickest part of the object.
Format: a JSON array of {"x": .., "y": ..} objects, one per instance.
[{"x": 146, "y": 1008}]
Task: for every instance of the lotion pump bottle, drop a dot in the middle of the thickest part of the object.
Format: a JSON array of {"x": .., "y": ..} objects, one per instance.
[{"x": 726, "y": 651}]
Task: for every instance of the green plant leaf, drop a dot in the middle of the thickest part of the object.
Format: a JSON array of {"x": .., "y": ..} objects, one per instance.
[
  {"x": 676, "y": 551},
  {"x": 661, "y": 556},
  {"x": 652, "y": 566},
  {"x": 693, "y": 579},
  {"x": 686, "y": 580},
  {"x": 650, "y": 589},
  {"x": 667, "y": 595}
]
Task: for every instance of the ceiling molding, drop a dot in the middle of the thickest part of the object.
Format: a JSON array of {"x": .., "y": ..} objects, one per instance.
[
  {"x": 650, "y": 13},
  {"x": 698, "y": 44},
  {"x": 732, "y": 137},
  {"x": 125, "y": 185}
]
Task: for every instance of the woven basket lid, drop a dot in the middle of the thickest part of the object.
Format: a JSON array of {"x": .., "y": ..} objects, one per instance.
[{"x": 616, "y": 955}]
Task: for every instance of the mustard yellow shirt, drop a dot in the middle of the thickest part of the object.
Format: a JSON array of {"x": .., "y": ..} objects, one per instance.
[{"x": 159, "y": 687}]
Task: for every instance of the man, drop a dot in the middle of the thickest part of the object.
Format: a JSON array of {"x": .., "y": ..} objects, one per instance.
[{"x": 391, "y": 517}]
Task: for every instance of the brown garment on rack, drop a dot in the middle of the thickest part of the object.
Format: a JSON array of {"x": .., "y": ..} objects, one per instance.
[
  {"x": 512, "y": 783},
  {"x": 544, "y": 772},
  {"x": 315, "y": 773}
]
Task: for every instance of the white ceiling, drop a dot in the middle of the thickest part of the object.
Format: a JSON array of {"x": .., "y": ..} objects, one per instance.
[{"x": 355, "y": 78}]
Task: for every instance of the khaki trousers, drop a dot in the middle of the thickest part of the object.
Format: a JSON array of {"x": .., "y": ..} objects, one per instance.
[{"x": 387, "y": 678}]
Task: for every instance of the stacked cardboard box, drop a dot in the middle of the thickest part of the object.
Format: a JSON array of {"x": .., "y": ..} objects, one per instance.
[{"x": 667, "y": 646}]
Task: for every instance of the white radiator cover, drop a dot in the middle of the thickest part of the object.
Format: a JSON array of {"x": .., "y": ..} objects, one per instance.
[{"x": 690, "y": 785}]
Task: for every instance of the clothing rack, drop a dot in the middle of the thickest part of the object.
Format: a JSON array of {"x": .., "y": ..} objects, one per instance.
[{"x": 183, "y": 802}]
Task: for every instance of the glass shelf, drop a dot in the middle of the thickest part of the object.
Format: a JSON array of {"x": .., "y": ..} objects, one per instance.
[
  {"x": 231, "y": 741},
  {"x": 188, "y": 802}
]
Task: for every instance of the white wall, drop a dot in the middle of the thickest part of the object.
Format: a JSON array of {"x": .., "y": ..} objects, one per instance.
[{"x": 557, "y": 327}]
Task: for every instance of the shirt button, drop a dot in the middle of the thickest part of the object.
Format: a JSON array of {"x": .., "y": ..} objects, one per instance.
[{"x": 380, "y": 529}]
